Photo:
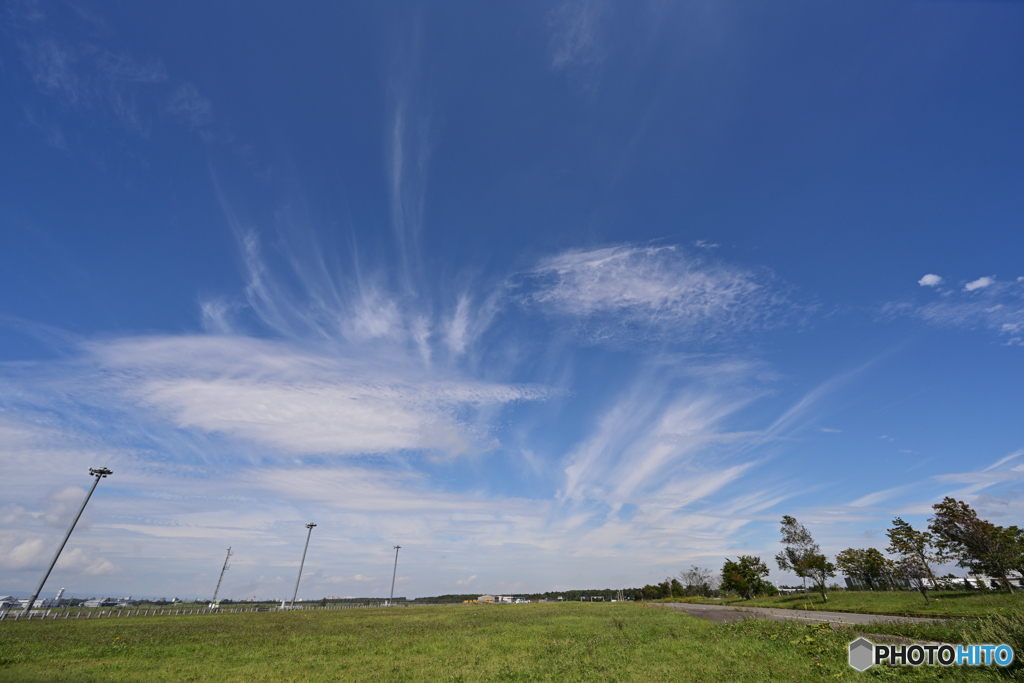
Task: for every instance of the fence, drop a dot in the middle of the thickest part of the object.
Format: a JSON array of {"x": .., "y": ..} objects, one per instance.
[{"x": 54, "y": 615}]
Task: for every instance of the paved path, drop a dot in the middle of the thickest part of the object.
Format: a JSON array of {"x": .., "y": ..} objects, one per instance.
[{"x": 725, "y": 613}]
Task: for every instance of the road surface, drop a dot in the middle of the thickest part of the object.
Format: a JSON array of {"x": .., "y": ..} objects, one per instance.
[{"x": 721, "y": 614}]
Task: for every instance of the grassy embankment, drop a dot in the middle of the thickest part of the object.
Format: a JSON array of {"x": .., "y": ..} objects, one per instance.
[
  {"x": 620, "y": 642},
  {"x": 899, "y": 603}
]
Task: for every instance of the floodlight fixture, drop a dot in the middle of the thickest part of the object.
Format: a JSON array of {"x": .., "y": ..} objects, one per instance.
[
  {"x": 301, "y": 564},
  {"x": 99, "y": 473}
]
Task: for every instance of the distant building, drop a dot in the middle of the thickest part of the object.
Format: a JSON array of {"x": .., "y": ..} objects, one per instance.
[
  {"x": 105, "y": 602},
  {"x": 40, "y": 603},
  {"x": 981, "y": 580},
  {"x": 487, "y": 599}
]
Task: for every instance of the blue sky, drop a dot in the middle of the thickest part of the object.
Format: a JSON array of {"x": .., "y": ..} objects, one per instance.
[{"x": 568, "y": 294}]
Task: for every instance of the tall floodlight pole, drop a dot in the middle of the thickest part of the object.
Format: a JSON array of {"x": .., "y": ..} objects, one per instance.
[
  {"x": 222, "y": 570},
  {"x": 310, "y": 527},
  {"x": 393, "y": 574},
  {"x": 99, "y": 474}
]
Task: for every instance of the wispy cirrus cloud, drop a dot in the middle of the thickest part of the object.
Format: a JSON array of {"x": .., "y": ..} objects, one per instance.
[
  {"x": 576, "y": 27},
  {"x": 80, "y": 73},
  {"x": 186, "y": 103},
  {"x": 632, "y": 291},
  {"x": 994, "y": 491},
  {"x": 984, "y": 303},
  {"x": 647, "y": 440},
  {"x": 671, "y": 458},
  {"x": 298, "y": 401},
  {"x": 84, "y": 76},
  {"x": 298, "y": 293}
]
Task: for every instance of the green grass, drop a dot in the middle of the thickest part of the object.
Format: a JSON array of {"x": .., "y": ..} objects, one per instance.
[
  {"x": 620, "y": 642},
  {"x": 900, "y": 603},
  {"x": 954, "y": 630},
  {"x": 999, "y": 627}
]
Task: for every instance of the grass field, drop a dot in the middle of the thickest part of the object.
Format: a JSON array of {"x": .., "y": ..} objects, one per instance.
[
  {"x": 901, "y": 603},
  {"x": 568, "y": 642}
]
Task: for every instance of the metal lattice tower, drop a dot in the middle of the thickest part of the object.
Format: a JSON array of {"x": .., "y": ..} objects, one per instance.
[{"x": 222, "y": 570}]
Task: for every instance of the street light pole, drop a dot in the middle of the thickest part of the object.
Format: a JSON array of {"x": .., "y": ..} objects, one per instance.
[
  {"x": 393, "y": 574},
  {"x": 213, "y": 603},
  {"x": 301, "y": 564},
  {"x": 99, "y": 474}
]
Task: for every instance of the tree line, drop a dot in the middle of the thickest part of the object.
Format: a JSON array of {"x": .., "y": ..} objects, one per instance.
[{"x": 954, "y": 533}]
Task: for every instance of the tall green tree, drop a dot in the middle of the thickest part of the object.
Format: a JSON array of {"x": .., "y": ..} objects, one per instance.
[
  {"x": 1015, "y": 542},
  {"x": 975, "y": 543},
  {"x": 890, "y": 574},
  {"x": 905, "y": 541},
  {"x": 915, "y": 552},
  {"x": 867, "y": 565},
  {"x": 802, "y": 556},
  {"x": 745, "y": 576},
  {"x": 698, "y": 581},
  {"x": 819, "y": 571}
]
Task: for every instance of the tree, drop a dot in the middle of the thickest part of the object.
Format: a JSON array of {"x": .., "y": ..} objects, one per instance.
[
  {"x": 905, "y": 541},
  {"x": 1015, "y": 542},
  {"x": 909, "y": 568},
  {"x": 650, "y": 592},
  {"x": 819, "y": 571},
  {"x": 890, "y": 574},
  {"x": 915, "y": 552},
  {"x": 697, "y": 581},
  {"x": 802, "y": 556},
  {"x": 745, "y": 576},
  {"x": 865, "y": 565},
  {"x": 975, "y": 543}
]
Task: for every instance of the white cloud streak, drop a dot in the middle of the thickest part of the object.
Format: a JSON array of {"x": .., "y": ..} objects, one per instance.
[
  {"x": 629, "y": 291},
  {"x": 95, "y": 83},
  {"x": 985, "y": 303},
  {"x": 575, "y": 34},
  {"x": 299, "y": 402},
  {"x": 191, "y": 107}
]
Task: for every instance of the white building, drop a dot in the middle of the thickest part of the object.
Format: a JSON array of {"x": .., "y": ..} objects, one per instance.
[
  {"x": 105, "y": 602},
  {"x": 1015, "y": 578},
  {"x": 43, "y": 603}
]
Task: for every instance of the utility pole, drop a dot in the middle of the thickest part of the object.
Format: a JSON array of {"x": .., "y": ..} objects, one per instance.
[
  {"x": 99, "y": 474},
  {"x": 213, "y": 603},
  {"x": 393, "y": 574},
  {"x": 302, "y": 564}
]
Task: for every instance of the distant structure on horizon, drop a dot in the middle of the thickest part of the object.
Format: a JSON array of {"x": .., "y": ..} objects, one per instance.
[
  {"x": 489, "y": 599},
  {"x": 104, "y": 602},
  {"x": 45, "y": 603}
]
